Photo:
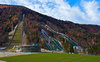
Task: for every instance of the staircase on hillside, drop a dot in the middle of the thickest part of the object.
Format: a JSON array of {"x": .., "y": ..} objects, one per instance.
[
  {"x": 16, "y": 41},
  {"x": 17, "y": 38}
]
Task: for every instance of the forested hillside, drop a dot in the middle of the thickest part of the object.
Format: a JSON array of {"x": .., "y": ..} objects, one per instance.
[{"x": 83, "y": 35}]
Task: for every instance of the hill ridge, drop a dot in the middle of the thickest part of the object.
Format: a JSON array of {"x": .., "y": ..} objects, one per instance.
[{"x": 82, "y": 34}]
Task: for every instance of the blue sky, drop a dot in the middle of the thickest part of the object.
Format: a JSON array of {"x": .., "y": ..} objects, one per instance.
[{"x": 77, "y": 11}]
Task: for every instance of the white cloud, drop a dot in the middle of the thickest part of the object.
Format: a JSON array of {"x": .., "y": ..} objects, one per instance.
[
  {"x": 23, "y": 2},
  {"x": 43, "y": 1},
  {"x": 91, "y": 11},
  {"x": 62, "y": 10},
  {"x": 4, "y": 2}
]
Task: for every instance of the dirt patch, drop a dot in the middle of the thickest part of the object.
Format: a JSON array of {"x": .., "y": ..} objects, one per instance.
[
  {"x": 6, "y": 54},
  {"x": 3, "y": 61}
]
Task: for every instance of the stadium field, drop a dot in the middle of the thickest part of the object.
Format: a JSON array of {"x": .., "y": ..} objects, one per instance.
[{"x": 52, "y": 57}]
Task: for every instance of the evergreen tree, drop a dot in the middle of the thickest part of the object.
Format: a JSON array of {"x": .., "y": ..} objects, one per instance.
[
  {"x": 88, "y": 49},
  {"x": 83, "y": 49},
  {"x": 98, "y": 47},
  {"x": 75, "y": 51},
  {"x": 65, "y": 48},
  {"x": 71, "y": 49},
  {"x": 94, "y": 49}
]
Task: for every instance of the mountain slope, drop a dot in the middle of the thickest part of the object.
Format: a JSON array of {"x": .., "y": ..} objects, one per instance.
[{"x": 83, "y": 35}]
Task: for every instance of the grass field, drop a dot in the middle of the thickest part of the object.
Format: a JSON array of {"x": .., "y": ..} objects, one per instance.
[{"x": 52, "y": 57}]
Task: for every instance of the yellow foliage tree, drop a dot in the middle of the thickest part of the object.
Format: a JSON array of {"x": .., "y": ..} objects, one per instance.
[
  {"x": 78, "y": 34},
  {"x": 42, "y": 40},
  {"x": 65, "y": 41}
]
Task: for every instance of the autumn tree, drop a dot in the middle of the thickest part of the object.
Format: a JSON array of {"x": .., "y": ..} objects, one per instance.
[
  {"x": 42, "y": 40},
  {"x": 75, "y": 51},
  {"x": 68, "y": 47}
]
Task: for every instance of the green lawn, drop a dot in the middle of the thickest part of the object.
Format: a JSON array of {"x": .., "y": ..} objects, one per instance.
[{"x": 52, "y": 57}]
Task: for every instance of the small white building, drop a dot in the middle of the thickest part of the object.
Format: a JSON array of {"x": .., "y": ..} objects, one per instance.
[{"x": 78, "y": 48}]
